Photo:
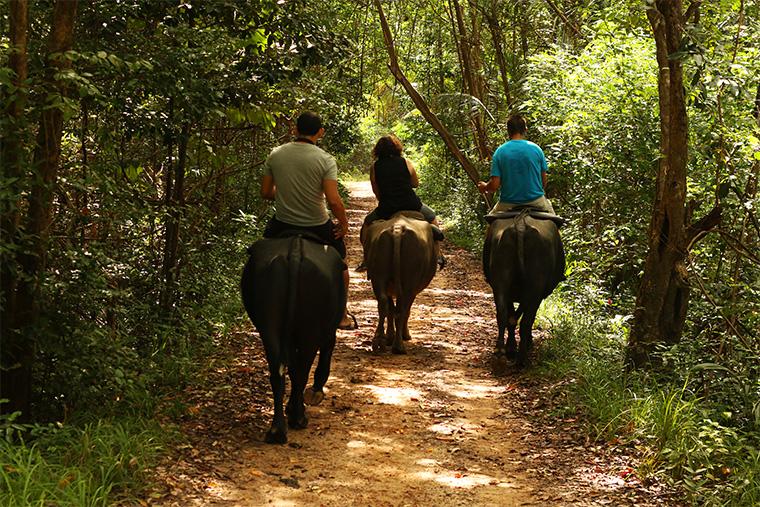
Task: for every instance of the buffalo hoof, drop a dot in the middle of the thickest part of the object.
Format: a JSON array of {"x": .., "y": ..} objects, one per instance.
[
  {"x": 511, "y": 354},
  {"x": 276, "y": 436},
  {"x": 298, "y": 423},
  {"x": 399, "y": 349},
  {"x": 499, "y": 364},
  {"x": 523, "y": 361},
  {"x": 378, "y": 344},
  {"x": 312, "y": 397}
]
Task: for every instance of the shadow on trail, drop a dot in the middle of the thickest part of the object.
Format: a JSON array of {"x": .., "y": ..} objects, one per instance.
[{"x": 432, "y": 427}]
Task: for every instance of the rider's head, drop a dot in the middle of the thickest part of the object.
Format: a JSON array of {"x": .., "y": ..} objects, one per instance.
[{"x": 516, "y": 125}]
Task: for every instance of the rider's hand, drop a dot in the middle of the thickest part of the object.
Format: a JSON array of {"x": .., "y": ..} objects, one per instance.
[
  {"x": 482, "y": 185},
  {"x": 341, "y": 230}
]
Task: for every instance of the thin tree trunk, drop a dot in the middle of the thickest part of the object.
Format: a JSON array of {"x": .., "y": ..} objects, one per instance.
[
  {"x": 175, "y": 205},
  {"x": 497, "y": 36},
  {"x": 11, "y": 157},
  {"x": 470, "y": 73},
  {"x": 573, "y": 28},
  {"x": 19, "y": 347}
]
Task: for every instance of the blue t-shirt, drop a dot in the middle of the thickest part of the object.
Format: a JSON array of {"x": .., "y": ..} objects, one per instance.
[{"x": 519, "y": 164}]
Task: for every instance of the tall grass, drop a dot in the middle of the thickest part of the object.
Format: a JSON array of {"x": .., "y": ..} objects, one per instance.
[
  {"x": 96, "y": 464},
  {"x": 681, "y": 438}
]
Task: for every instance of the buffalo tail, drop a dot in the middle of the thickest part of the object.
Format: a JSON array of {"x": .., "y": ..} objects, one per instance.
[
  {"x": 295, "y": 256},
  {"x": 520, "y": 229},
  {"x": 398, "y": 232}
]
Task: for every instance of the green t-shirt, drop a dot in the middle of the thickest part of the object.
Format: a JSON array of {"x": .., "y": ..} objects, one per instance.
[{"x": 298, "y": 170}]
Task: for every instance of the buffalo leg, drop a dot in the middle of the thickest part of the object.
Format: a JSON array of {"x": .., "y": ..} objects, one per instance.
[
  {"x": 378, "y": 342},
  {"x": 513, "y": 317},
  {"x": 503, "y": 311},
  {"x": 390, "y": 320},
  {"x": 298, "y": 377},
  {"x": 403, "y": 307},
  {"x": 278, "y": 433},
  {"x": 526, "y": 334},
  {"x": 315, "y": 395}
]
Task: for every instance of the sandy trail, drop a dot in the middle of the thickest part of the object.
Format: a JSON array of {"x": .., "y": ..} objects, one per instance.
[
  {"x": 430, "y": 428},
  {"x": 425, "y": 428}
]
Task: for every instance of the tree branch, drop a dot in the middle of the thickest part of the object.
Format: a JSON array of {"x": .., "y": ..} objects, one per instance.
[
  {"x": 422, "y": 106},
  {"x": 701, "y": 227},
  {"x": 564, "y": 19}
]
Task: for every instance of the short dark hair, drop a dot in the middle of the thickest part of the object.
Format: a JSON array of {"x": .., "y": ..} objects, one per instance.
[
  {"x": 516, "y": 125},
  {"x": 388, "y": 146},
  {"x": 308, "y": 123}
]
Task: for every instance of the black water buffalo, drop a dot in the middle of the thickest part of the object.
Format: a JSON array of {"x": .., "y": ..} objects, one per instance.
[
  {"x": 293, "y": 292},
  {"x": 523, "y": 261},
  {"x": 401, "y": 256}
]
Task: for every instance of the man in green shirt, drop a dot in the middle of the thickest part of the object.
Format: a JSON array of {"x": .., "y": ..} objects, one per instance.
[{"x": 299, "y": 176}]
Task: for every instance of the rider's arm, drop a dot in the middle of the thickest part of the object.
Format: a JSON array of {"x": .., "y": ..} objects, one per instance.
[
  {"x": 330, "y": 188},
  {"x": 267, "y": 187},
  {"x": 492, "y": 186},
  {"x": 544, "y": 179},
  {"x": 413, "y": 174},
  {"x": 372, "y": 180}
]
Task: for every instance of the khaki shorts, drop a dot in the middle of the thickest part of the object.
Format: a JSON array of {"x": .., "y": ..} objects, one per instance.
[{"x": 541, "y": 203}]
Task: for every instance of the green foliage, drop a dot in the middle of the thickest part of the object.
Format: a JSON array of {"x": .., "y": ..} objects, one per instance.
[
  {"x": 681, "y": 437},
  {"x": 595, "y": 114},
  {"x": 96, "y": 464}
]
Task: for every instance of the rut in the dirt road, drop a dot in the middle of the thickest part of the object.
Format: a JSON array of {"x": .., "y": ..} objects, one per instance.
[{"x": 432, "y": 427}]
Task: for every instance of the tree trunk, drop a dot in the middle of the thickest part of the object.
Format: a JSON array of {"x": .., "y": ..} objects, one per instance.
[
  {"x": 11, "y": 156},
  {"x": 19, "y": 346},
  {"x": 663, "y": 295},
  {"x": 175, "y": 203}
]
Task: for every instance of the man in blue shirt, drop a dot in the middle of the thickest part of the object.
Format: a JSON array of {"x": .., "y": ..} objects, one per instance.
[{"x": 519, "y": 168}]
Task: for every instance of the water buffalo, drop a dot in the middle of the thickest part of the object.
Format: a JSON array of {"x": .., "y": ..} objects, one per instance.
[
  {"x": 293, "y": 291},
  {"x": 401, "y": 255},
  {"x": 523, "y": 261}
]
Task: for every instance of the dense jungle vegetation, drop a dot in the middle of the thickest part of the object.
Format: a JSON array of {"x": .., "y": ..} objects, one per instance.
[{"x": 133, "y": 135}]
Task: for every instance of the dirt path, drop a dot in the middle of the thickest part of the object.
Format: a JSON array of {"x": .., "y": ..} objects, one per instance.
[{"x": 433, "y": 427}]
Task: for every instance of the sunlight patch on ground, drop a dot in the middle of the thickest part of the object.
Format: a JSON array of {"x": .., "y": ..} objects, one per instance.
[
  {"x": 472, "y": 390},
  {"x": 465, "y": 480},
  {"x": 366, "y": 442},
  {"x": 401, "y": 396},
  {"x": 226, "y": 493},
  {"x": 454, "y": 383},
  {"x": 454, "y": 426}
]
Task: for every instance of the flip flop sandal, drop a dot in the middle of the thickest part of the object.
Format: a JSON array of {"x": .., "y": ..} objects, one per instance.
[{"x": 352, "y": 326}]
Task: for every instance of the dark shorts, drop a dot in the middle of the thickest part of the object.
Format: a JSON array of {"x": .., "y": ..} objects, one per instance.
[
  {"x": 326, "y": 232},
  {"x": 376, "y": 214}
]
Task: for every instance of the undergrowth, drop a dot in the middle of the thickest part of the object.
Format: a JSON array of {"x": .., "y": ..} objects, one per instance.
[
  {"x": 680, "y": 433},
  {"x": 92, "y": 464}
]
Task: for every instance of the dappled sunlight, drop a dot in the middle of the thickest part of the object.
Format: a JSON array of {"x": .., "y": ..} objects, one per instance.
[
  {"x": 456, "y": 479},
  {"x": 455, "y": 383},
  {"x": 455, "y": 426},
  {"x": 476, "y": 390},
  {"x": 370, "y": 442},
  {"x": 394, "y": 395}
]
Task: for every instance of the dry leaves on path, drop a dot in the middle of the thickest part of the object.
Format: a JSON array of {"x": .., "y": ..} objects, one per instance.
[{"x": 433, "y": 427}]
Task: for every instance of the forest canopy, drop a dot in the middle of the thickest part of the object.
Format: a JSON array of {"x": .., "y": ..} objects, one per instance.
[{"x": 134, "y": 133}]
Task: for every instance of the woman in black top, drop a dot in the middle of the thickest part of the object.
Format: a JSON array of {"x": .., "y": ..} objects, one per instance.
[{"x": 393, "y": 181}]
